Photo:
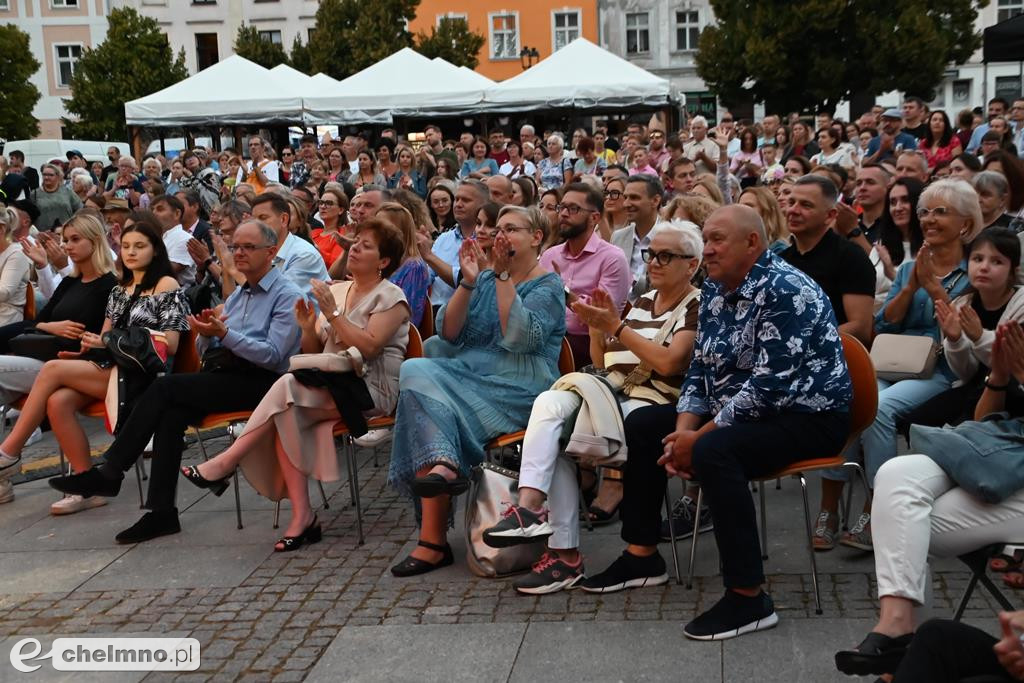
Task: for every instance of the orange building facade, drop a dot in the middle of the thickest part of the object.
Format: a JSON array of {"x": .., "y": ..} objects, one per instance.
[{"x": 509, "y": 26}]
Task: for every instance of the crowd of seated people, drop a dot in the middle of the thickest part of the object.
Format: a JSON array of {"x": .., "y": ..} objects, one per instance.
[{"x": 706, "y": 282}]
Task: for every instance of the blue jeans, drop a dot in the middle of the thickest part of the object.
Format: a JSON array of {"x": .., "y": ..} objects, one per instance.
[{"x": 895, "y": 399}]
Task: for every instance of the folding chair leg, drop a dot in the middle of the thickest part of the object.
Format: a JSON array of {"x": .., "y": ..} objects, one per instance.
[
  {"x": 996, "y": 593},
  {"x": 696, "y": 534},
  {"x": 672, "y": 537},
  {"x": 810, "y": 544},
  {"x": 138, "y": 478},
  {"x": 277, "y": 513},
  {"x": 238, "y": 501},
  {"x": 354, "y": 479},
  {"x": 323, "y": 495},
  {"x": 764, "y": 528},
  {"x": 778, "y": 483},
  {"x": 971, "y": 583},
  {"x": 584, "y": 512}
]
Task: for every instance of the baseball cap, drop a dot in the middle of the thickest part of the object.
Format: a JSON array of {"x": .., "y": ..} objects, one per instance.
[
  {"x": 892, "y": 113},
  {"x": 116, "y": 204},
  {"x": 74, "y": 153},
  {"x": 28, "y": 207}
]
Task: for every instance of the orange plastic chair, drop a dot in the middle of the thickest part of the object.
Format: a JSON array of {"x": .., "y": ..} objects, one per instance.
[
  {"x": 30, "y": 302},
  {"x": 413, "y": 350},
  {"x": 862, "y": 413}
]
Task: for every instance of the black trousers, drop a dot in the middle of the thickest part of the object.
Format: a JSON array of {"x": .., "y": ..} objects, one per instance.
[
  {"x": 164, "y": 412},
  {"x": 724, "y": 461},
  {"x": 949, "y": 652}
]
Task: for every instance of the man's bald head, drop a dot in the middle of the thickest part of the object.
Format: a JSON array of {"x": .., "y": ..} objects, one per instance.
[
  {"x": 734, "y": 238},
  {"x": 501, "y": 189}
]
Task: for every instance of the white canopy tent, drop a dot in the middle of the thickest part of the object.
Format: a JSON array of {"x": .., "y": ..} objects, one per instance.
[
  {"x": 221, "y": 94},
  {"x": 581, "y": 75},
  {"x": 292, "y": 78},
  {"x": 403, "y": 84}
]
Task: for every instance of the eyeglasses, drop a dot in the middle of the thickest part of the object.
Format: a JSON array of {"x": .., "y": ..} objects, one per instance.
[
  {"x": 938, "y": 212},
  {"x": 286, "y": 154},
  {"x": 612, "y": 194},
  {"x": 656, "y": 135},
  {"x": 248, "y": 248},
  {"x": 662, "y": 257},
  {"x": 326, "y": 203},
  {"x": 571, "y": 208},
  {"x": 508, "y": 229}
]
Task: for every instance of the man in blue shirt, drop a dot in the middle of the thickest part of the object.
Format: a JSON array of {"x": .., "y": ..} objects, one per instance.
[
  {"x": 767, "y": 386},
  {"x": 997, "y": 106},
  {"x": 297, "y": 259},
  {"x": 245, "y": 350},
  {"x": 442, "y": 254},
  {"x": 891, "y": 140}
]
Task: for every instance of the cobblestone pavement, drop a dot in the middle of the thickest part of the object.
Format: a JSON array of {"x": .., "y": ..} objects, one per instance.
[{"x": 276, "y": 620}]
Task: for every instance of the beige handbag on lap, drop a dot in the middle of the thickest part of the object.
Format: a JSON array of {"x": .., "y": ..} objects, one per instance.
[{"x": 904, "y": 356}]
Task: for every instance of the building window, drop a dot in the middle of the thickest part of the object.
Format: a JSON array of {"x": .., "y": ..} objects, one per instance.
[
  {"x": 271, "y": 36},
  {"x": 687, "y": 30},
  {"x": 67, "y": 57},
  {"x": 309, "y": 35},
  {"x": 638, "y": 35},
  {"x": 504, "y": 36},
  {"x": 63, "y": 3},
  {"x": 5, "y": 5},
  {"x": 207, "y": 51},
  {"x": 565, "y": 28},
  {"x": 204, "y": 2},
  {"x": 1010, "y": 8}
]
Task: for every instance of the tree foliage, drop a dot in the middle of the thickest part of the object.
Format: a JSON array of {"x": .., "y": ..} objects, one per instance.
[
  {"x": 249, "y": 44},
  {"x": 351, "y": 35},
  {"x": 800, "y": 54},
  {"x": 133, "y": 61},
  {"x": 18, "y": 97},
  {"x": 301, "y": 58},
  {"x": 452, "y": 41}
]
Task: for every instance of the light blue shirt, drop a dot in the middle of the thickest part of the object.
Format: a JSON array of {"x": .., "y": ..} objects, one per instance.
[
  {"x": 975, "y": 142},
  {"x": 446, "y": 247},
  {"x": 261, "y": 322},
  {"x": 300, "y": 262}
]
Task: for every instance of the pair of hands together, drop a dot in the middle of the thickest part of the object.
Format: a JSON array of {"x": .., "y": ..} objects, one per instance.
[
  {"x": 305, "y": 312},
  {"x": 472, "y": 259},
  {"x": 957, "y": 321},
  {"x": 47, "y": 249}
]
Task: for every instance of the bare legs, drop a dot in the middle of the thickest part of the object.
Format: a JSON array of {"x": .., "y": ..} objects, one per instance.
[
  {"x": 434, "y": 528},
  {"x": 86, "y": 380},
  {"x": 895, "y": 616}
]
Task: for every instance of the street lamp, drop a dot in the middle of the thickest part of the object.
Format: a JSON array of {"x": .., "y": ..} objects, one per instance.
[{"x": 528, "y": 56}]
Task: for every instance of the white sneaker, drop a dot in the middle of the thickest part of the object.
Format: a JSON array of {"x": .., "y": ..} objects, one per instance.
[
  {"x": 373, "y": 438},
  {"x": 6, "y": 491},
  {"x": 72, "y": 504},
  {"x": 36, "y": 437},
  {"x": 9, "y": 466}
]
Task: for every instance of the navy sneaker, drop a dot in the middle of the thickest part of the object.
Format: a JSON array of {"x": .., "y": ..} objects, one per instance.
[
  {"x": 628, "y": 571},
  {"x": 733, "y": 615},
  {"x": 682, "y": 519}
]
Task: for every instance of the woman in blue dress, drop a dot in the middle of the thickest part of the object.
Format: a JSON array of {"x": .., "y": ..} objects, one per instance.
[{"x": 497, "y": 349}]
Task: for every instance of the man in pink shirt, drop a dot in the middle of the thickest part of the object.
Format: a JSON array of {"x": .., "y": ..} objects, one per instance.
[{"x": 585, "y": 261}]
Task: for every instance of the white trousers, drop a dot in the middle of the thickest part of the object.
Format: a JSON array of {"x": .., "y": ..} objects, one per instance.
[
  {"x": 919, "y": 511},
  {"x": 544, "y": 469}
]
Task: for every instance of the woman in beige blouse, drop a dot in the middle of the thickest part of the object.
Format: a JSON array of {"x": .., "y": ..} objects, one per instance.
[
  {"x": 14, "y": 267},
  {"x": 290, "y": 434}
]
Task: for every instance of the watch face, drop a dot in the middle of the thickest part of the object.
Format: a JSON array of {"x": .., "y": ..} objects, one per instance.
[{"x": 503, "y": 275}]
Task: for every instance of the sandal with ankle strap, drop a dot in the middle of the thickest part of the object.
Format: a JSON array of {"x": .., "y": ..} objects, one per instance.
[
  {"x": 311, "y": 534},
  {"x": 413, "y": 566}
]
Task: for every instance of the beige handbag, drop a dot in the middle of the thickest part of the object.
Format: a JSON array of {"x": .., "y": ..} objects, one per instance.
[
  {"x": 349, "y": 360},
  {"x": 491, "y": 489},
  {"x": 904, "y": 356}
]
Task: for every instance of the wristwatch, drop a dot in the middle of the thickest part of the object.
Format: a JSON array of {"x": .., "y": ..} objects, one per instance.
[
  {"x": 503, "y": 275},
  {"x": 996, "y": 387},
  {"x": 334, "y": 314},
  {"x": 854, "y": 234}
]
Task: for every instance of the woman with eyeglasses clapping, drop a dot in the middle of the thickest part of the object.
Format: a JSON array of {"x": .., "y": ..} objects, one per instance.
[
  {"x": 614, "y": 217},
  {"x": 329, "y": 239}
]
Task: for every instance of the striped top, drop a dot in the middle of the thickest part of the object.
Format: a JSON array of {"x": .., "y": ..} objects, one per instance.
[{"x": 620, "y": 361}]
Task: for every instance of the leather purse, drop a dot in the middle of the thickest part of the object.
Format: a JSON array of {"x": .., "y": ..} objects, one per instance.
[
  {"x": 904, "y": 356},
  {"x": 349, "y": 360},
  {"x": 491, "y": 489}
]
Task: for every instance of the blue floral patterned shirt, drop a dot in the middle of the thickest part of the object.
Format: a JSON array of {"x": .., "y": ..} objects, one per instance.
[{"x": 769, "y": 346}]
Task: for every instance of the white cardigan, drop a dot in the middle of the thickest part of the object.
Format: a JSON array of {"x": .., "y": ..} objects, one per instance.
[{"x": 964, "y": 355}]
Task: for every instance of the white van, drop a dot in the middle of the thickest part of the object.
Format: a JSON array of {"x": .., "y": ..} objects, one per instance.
[{"x": 38, "y": 152}]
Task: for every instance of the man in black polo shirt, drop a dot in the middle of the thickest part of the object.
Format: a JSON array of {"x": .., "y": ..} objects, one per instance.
[{"x": 840, "y": 268}]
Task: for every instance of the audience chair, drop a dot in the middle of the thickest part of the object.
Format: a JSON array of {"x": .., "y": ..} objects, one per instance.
[
  {"x": 977, "y": 562},
  {"x": 862, "y": 414},
  {"x": 426, "y": 326},
  {"x": 348, "y": 446}
]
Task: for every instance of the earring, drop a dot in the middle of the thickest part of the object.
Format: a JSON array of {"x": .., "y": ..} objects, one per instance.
[{"x": 380, "y": 273}]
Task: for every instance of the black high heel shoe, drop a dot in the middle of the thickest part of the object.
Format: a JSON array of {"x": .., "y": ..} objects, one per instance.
[
  {"x": 217, "y": 486},
  {"x": 311, "y": 534}
]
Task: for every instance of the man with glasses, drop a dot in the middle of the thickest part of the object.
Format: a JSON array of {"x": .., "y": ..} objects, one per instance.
[
  {"x": 642, "y": 199},
  {"x": 259, "y": 171},
  {"x": 244, "y": 350},
  {"x": 297, "y": 259},
  {"x": 585, "y": 262}
]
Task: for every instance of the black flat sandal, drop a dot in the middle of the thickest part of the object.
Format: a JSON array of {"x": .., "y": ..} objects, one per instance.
[
  {"x": 413, "y": 566},
  {"x": 434, "y": 485},
  {"x": 311, "y": 534},
  {"x": 877, "y": 654},
  {"x": 217, "y": 486}
]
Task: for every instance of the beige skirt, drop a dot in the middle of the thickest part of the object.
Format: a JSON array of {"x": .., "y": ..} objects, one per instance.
[{"x": 304, "y": 418}]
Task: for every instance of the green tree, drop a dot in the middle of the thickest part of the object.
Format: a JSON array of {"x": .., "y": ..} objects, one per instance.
[
  {"x": 255, "y": 48},
  {"x": 351, "y": 35},
  {"x": 133, "y": 61},
  {"x": 18, "y": 97},
  {"x": 300, "y": 57},
  {"x": 835, "y": 49},
  {"x": 452, "y": 41}
]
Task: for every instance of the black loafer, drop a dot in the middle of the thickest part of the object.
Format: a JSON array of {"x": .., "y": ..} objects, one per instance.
[
  {"x": 152, "y": 525},
  {"x": 88, "y": 483},
  {"x": 434, "y": 485},
  {"x": 877, "y": 654},
  {"x": 413, "y": 566}
]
